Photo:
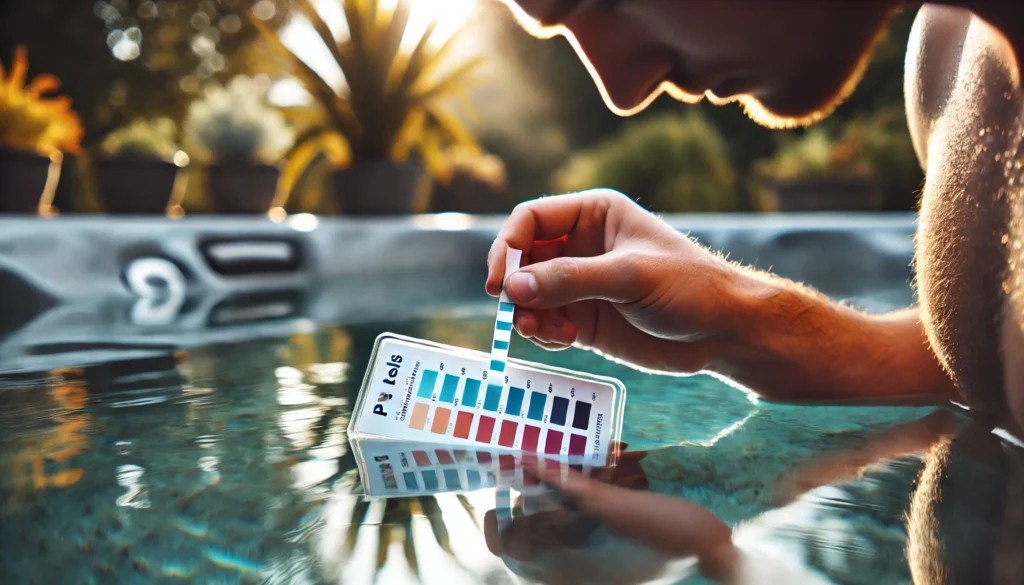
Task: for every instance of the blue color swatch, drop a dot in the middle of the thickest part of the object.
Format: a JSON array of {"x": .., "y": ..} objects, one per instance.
[
  {"x": 558, "y": 410},
  {"x": 448, "y": 388},
  {"x": 470, "y": 392},
  {"x": 427, "y": 384},
  {"x": 515, "y": 401},
  {"x": 536, "y": 411}
]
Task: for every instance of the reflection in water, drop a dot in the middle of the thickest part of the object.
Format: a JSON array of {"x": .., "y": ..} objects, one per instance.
[
  {"x": 230, "y": 464},
  {"x": 130, "y": 478},
  {"x": 48, "y": 452}
]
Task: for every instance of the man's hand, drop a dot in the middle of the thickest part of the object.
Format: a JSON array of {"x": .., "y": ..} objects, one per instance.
[{"x": 601, "y": 272}]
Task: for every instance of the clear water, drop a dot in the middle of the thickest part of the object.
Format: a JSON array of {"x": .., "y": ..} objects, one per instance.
[{"x": 229, "y": 464}]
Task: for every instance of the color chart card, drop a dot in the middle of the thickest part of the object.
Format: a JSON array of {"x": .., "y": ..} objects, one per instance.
[
  {"x": 420, "y": 392},
  {"x": 401, "y": 469}
]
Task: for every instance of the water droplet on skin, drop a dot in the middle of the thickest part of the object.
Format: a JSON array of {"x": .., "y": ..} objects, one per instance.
[
  {"x": 999, "y": 156},
  {"x": 982, "y": 132},
  {"x": 1016, "y": 244},
  {"x": 1004, "y": 239}
]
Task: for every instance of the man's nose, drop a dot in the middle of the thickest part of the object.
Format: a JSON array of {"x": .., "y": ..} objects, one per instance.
[{"x": 626, "y": 64}]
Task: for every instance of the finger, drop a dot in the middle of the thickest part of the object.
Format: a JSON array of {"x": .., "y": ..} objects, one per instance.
[
  {"x": 549, "y": 345},
  {"x": 572, "y": 484},
  {"x": 526, "y": 323},
  {"x": 557, "y": 330},
  {"x": 547, "y": 218},
  {"x": 544, "y": 250},
  {"x": 565, "y": 280}
]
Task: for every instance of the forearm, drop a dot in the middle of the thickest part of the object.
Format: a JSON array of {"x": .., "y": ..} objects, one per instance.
[{"x": 789, "y": 343}]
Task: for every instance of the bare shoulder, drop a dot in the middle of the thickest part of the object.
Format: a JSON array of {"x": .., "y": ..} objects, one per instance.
[
  {"x": 933, "y": 58},
  {"x": 964, "y": 107}
]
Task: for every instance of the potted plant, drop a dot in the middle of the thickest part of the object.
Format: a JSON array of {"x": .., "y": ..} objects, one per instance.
[
  {"x": 139, "y": 172},
  {"x": 817, "y": 173},
  {"x": 670, "y": 162},
  {"x": 35, "y": 131},
  {"x": 391, "y": 115},
  {"x": 474, "y": 183},
  {"x": 239, "y": 137}
]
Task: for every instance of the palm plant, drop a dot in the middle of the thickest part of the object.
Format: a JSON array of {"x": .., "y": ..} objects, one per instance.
[{"x": 394, "y": 105}]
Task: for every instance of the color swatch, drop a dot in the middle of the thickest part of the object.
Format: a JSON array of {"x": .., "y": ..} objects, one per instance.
[{"x": 401, "y": 468}]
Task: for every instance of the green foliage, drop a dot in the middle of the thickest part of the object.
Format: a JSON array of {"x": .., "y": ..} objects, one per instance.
[
  {"x": 669, "y": 162},
  {"x": 873, "y": 146},
  {"x": 394, "y": 104},
  {"x": 151, "y": 139},
  {"x": 235, "y": 124}
]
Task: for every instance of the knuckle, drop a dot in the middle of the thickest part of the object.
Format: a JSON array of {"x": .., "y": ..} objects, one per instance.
[{"x": 568, "y": 270}]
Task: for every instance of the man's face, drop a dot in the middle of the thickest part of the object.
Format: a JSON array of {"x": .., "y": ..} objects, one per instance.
[{"x": 788, "y": 62}]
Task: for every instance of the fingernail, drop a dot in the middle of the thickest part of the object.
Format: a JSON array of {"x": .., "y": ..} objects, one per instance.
[{"x": 522, "y": 286}]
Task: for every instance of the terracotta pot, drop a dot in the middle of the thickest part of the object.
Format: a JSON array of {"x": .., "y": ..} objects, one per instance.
[
  {"x": 378, "y": 188},
  {"x": 22, "y": 180},
  {"x": 242, "y": 188},
  {"x": 135, "y": 186},
  {"x": 824, "y": 195}
]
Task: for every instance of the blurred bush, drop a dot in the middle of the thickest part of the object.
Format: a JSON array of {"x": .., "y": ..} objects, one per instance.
[
  {"x": 234, "y": 123},
  {"x": 148, "y": 139},
  {"x": 667, "y": 162},
  {"x": 873, "y": 147}
]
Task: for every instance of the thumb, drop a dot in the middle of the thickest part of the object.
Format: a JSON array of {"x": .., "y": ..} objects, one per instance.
[{"x": 561, "y": 281}]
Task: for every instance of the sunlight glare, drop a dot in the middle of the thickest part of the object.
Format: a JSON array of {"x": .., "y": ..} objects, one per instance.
[{"x": 298, "y": 35}]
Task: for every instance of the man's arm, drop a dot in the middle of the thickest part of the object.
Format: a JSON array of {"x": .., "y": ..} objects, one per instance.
[{"x": 792, "y": 344}]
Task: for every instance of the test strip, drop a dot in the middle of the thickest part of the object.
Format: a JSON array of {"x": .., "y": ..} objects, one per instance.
[{"x": 503, "y": 322}]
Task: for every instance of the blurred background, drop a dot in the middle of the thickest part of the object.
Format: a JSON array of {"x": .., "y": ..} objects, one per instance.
[{"x": 389, "y": 107}]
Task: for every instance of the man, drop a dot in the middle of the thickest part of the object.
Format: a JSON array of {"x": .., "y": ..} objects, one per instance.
[{"x": 604, "y": 274}]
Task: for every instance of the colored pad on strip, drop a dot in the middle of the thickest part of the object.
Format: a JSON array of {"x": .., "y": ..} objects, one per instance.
[
  {"x": 419, "y": 416},
  {"x": 421, "y": 458},
  {"x": 503, "y": 326},
  {"x": 463, "y": 422},
  {"x": 441, "y": 418},
  {"x": 503, "y": 306},
  {"x": 507, "y": 437},
  {"x": 485, "y": 429},
  {"x": 497, "y": 366},
  {"x": 499, "y": 344},
  {"x": 443, "y": 457},
  {"x": 558, "y": 409}
]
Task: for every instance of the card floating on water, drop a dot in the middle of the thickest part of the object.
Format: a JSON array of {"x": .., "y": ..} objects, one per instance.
[{"x": 417, "y": 391}]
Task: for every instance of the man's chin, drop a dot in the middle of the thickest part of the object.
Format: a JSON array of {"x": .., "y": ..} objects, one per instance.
[{"x": 777, "y": 117}]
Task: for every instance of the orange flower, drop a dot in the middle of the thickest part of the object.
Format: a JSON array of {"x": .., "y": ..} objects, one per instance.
[{"x": 29, "y": 120}]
